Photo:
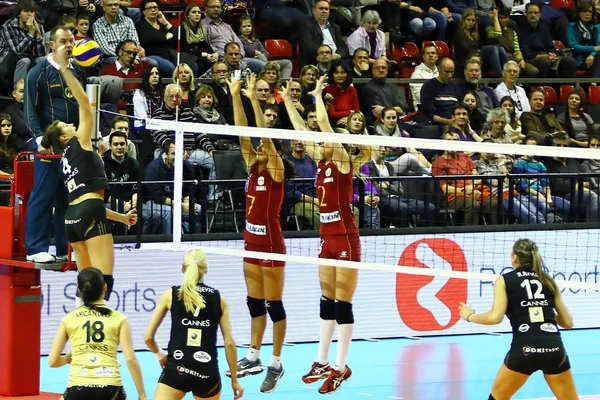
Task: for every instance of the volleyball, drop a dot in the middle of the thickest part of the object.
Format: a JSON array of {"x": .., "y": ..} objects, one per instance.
[{"x": 86, "y": 52}]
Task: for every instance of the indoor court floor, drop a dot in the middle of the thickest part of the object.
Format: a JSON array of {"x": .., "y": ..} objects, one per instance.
[{"x": 435, "y": 368}]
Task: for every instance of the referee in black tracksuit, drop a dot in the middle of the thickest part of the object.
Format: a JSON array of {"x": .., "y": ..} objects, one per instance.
[
  {"x": 532, "y": 302},
  {"x": 47, "y": 99}
]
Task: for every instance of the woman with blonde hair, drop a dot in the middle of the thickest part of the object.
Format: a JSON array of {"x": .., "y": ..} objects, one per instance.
[
  {"x": 184, "y": 75},
  {"x": 197, "y": 310},
  {"x": 532, "y": 301},
  {"x": 271, "y": 73}
]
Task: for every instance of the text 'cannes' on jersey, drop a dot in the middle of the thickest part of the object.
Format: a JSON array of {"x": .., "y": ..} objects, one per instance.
[
  {"x": 94, "y": 340},
  {"x": 530, "y": 306},
  {"x": 335, "y": 193},
  {"x": 83, "y": 170},
  {"x": 193, "y": 341},
  {"x": 264, "y": 198}
]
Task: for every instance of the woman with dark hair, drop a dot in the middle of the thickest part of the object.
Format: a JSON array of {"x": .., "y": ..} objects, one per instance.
[
  {"x": 84, "y": 177},
  {"x": 513, "y": 127},
  {"x": 578, "y": 124},
  {"x": 195, "y": 47},
  {"x": 476, "y": 119},
  {"x": 345, "y": 97},
  {"x": 157, "y": 36},
  {"x": 194, "y": 304},
  {"x": 469, "y": 42},
  {"x": 584, "y": 38},
  {"x": 265, "y": 188},
  {"x": 8, "y": 145},
  {"x": 532, "y": 301},
  {"x": 95, "y": 332},
  {"x": 150, "y": 96}
]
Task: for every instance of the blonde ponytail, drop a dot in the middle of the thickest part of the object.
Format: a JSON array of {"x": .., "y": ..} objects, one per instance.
[
  {"x": 529, "y": 257},
  {"x": 195, "y": 266}
]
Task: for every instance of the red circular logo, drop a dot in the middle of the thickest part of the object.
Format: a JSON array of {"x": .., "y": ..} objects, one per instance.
[{"x": 413, "y": 308}]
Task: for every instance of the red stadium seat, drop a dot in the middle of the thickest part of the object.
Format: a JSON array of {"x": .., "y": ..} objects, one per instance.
[
  {"x": 565, "y": 90},
  {"x": 594, "y": 93},
  {"x": 408, "y": 52},
  {"x": 201, "y": 3},
  {"x": 443, "y": 49},
  {"x": 279, "y": 49},
  {"x": 407, "y": 68},
  {"x": 560, "y": 4}
]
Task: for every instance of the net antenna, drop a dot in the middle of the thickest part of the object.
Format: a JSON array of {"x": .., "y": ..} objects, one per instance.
[{"x": 178, "y": 185}]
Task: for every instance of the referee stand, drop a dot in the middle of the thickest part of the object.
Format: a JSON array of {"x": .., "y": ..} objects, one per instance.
[{"x": 20, "y": 293}]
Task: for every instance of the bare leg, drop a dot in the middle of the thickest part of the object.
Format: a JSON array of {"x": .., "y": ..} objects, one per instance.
[{"x": 507, "y": 383}]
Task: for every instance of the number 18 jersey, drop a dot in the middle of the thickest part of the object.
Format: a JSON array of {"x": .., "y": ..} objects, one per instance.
[
  {"x": 94, "y": 340},
  {"x": 530, "y": 306}
]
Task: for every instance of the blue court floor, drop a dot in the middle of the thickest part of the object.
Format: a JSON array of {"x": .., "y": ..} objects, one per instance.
[{"x": 440, "y": 368}]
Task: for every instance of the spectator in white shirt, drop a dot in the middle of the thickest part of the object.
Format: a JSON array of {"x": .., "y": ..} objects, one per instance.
[
  {"x": 426, "y": 70},
  {"x": 509, "y": 87}
]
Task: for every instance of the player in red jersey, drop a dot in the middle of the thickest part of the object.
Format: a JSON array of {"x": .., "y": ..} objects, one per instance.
[
  {"x": 264, "y": 278},
  {"x": 339, "y": 240}
]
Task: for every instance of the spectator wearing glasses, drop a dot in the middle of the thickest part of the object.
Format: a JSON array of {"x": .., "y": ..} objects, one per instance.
[
  {"x": 584, "y": 38},
  {"x": 538, "y": 123},
  {"x": 513, "y": 127},
  {"x": 157, "y": 37},
  {"x": 585, "y": 202},
  {"x": 126, "y": 67},
  {"x": 324, "y": 57},
  {"x": 219, "y": 74},
  {"x": 120, "y": 166},
  {"x": 539, "y": 50},
  {"x": 112, "y": 29},
  {"x": 308, "y": 79},
  {"x": 509, "y": 87}
]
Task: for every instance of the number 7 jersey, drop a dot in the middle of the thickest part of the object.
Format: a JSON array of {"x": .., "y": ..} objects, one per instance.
[{"x": 94, "y": 340}]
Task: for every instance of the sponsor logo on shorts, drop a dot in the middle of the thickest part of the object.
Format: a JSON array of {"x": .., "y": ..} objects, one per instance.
[
  {"x": 104, "y": 371},
  {"x": 183, "y": 370},
  {"x": 329, "y": 217},
  {"x": 178, "y": 354},
  {"x": 202, "y": 357},
  {"x": 417, "y": 314},
  {"x": 344, "y": 254},
  {"x": 72, "y": 221},
  {"x": 539, "y": 350},
  {"x": 257, "y": 229},
  {"x": 549, "y": 327},
  {"x": 523, "y": 328}
]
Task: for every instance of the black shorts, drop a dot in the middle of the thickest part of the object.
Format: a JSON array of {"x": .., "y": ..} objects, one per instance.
[
  {"x": 86, "y": 220},
  {"x": 550, "y": 359},
  {"x": 95, "y": 392},
  {"x": 200, "y": 382}
]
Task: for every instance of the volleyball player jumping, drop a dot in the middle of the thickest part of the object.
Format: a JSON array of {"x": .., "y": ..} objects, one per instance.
[
  {"x": 197, "y": 310},
  {"x": 83, "y": 171},
  {"x": 264, "y": 278},
  {"x": 529, "y": 297},
  {"x": 339, "y": 240},
  {"x": 95, "y": 332}
]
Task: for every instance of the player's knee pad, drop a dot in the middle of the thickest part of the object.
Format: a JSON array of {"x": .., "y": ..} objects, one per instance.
[
  {"x": 257, "y": 307},
  {"x": 110, "y": 283},
  {"x": 343, "y": 312},
  {"x": 327, "y": 308},
  {"x": 276, "y": 310}
]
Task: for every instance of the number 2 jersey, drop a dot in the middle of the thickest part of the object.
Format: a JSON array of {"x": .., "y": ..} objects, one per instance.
[
  {"x": 94, "y": 340},
  {"x": 530, "y": 309},
  {"x": 335, "y": 193},
  {"x": 83, "y": 170},
  {"x": 264, "y": 198},
  {"x": 193, "y": 342}
]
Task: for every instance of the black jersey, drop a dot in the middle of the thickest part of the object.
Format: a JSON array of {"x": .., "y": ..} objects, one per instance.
[
  {"x": 530, "y": 306},
  {"x": 83, "y": 170},
  {"x": 193, "y": 341}
]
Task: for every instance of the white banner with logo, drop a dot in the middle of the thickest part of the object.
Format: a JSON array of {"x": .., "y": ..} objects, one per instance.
[{"x": 385, "y": 304}]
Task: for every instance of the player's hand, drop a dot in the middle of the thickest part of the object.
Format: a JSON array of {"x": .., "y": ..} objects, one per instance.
[
  {"x": 68, "y": 358},
  {"x": 286, "y": 90},
  {"x": 318, "y": 87},
  {"x": 131, "y": 217},
  {"x": 250, "y": 91},
  {"x": 235, "y": 86},
  {"x": 465, "y": 310},
  {"x": 238, "y": 390},
  {"x": 142, "y": 397},
  {"x": 163, "y": 361},
  {"x": 43, "y": 150}
]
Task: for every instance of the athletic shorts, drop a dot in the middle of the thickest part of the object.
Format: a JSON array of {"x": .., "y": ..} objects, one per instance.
[
  {"x": 550, "y": 359},
  {"x": 340, "y": 247},
  {"x": 86, "y": 220},
  {"x": 200, "y": 383},
  {"x": 266, "y": 249},
  {"x": 95, "y": 392}
]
